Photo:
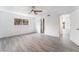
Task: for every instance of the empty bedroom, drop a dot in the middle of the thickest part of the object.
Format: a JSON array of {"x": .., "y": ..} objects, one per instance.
[{"x": 39, "y": 29}]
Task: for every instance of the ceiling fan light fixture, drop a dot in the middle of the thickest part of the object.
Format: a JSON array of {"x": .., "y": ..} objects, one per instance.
[{"x": 35, "y": 11}]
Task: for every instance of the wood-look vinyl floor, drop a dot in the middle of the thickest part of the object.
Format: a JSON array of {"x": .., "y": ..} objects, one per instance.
[{"x": 36, "y": 43}]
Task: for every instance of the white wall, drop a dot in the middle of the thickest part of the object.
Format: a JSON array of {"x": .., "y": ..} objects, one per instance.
[
  {"x": 7, "y": 27},
  {"x": 74, "y": 33},
  {"x": 51, "y": 24},
  {"x": 37, "y": 24}
]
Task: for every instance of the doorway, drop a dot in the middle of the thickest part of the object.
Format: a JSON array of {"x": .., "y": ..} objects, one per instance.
[
  {"x": 42, "y": 29},
  {"x": 64, "y": 26}
]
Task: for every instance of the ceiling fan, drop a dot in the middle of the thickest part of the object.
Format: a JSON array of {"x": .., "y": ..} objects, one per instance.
[{"x": 34, "y": 10}]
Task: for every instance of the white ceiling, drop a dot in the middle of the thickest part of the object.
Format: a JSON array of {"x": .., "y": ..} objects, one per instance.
[
  {"x": 57, "y": 9},
  {"x": 21, "y": 9},
  {"x": 46, "y": 9}
]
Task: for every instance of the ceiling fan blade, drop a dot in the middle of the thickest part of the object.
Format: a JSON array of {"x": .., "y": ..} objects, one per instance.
[
  {"x": 38, "y": 10},
  {"x": 34, "y": 10},
  {"x": 35, "y": 13}
]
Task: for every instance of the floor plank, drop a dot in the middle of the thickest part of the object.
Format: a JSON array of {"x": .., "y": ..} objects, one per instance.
[{"x": 36, "y": 43}]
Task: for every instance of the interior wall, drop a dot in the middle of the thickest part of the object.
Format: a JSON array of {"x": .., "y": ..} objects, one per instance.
[
  {"x": 7, "y": 27},
  {"x": 51, "y": 24},
  {"x": 38, "y": 24},
  {"x": 74, "y": 33}
]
